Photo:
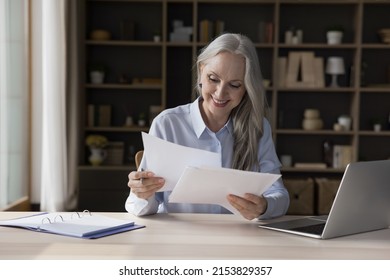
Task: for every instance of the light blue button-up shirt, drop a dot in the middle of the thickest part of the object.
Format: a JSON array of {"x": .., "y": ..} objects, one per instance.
[{"x": 184, "y": 125}]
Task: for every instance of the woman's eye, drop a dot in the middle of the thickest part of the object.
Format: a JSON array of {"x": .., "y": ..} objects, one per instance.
[
  {"x": 235, "y": 85},
  {"x": 213, "y": 79}
]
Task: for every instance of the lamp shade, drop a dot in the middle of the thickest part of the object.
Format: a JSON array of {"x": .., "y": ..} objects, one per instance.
[{"x": 335, "y": 65}]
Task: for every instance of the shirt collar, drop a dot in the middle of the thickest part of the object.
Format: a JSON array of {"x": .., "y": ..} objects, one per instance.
[
  {"x": 197, "y": 120},
  {"x": 196, "y": 117}
]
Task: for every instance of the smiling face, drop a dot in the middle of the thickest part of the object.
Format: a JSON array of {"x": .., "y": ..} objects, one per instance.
[{"x": 222, "y": 79}]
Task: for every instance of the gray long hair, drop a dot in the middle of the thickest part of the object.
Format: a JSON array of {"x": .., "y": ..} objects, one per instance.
[{"x": 248, "y": 116}]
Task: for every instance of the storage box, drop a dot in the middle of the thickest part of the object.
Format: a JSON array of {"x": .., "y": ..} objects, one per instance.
[
  {"x": 327, "y": 189},
  {"x": 301, "y": 193},
  {"x": 115, "y": 153}
]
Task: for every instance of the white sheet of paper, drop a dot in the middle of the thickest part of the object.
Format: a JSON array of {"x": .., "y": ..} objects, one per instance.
[
  {"x": 168, "y": 160},
  {"x": 210, "y": 185}
]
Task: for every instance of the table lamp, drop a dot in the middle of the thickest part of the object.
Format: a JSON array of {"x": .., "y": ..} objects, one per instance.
[{"x": 334, "y": 67}]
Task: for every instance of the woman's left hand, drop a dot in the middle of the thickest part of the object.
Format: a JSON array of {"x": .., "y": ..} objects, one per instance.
[{"x": 250, "y": 206}]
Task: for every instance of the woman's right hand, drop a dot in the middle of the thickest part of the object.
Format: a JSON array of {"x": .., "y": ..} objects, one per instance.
[{"x": 144, "y": 183}]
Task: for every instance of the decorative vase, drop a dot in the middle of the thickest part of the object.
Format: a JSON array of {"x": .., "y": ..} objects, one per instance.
[{"x": 97, "y": 156}]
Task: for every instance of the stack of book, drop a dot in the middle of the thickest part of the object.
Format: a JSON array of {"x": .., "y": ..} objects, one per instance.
[
  {"x": 115, "y": 152},
  {"x": 265, "y": 32},
  {"x": 209, "y": 29},
  {"x": 99, "y": 115}
]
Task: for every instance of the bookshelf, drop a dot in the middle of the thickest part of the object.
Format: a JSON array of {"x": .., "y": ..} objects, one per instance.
[{"x": 364, "y": 92}]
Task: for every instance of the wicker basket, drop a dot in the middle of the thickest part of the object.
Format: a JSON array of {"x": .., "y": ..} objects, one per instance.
[
  {"x": 301, "y": 196},
  {"x": 327, "y": 189}
]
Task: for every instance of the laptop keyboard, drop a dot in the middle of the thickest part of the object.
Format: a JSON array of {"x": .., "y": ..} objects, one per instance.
[{"x": 314, "y": 229}]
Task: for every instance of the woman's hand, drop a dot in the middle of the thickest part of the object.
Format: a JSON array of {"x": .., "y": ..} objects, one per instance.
[
  {"x": 144, "y": 183},
  {"x": 250, "y": 206}
]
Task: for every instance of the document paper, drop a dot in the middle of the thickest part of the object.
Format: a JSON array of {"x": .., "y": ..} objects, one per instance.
[
  {"x": 210, "y": 185},
  {"x": 168, "y": 160}
]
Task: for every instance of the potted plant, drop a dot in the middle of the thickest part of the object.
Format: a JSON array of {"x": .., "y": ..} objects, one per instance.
[
  {"x": 334, "y": 34},
  {"x": 96, "y": 144},
  {"x": 141, "y": 119}
]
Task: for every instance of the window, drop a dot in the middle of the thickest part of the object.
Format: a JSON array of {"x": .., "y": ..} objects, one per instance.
[{"x": 14, "y": 102}]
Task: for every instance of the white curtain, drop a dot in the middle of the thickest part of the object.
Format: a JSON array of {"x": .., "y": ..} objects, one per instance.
[
  {"x": 54, "y": 154},
  {"x": 53, "y": 130}
]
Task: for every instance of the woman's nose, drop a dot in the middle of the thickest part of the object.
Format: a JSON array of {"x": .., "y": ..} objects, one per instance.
[{"x": 220, "y": 90}]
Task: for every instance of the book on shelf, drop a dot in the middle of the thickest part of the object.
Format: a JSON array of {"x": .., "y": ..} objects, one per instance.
[
  {"x": 261, "y": 31},
  {"x": 219, "y": 27},
  {"x": 307, "y": 60},
  {"x": 319, "y": 72},
  {"x": 98, "y": 115},
  {"x": 269, "y": 32},
  {"x": 82, "y": 225},
  {"x": 209, "y": 29},
  {"x": 265, "y": 32},
  {"x": 293, "y": 62},
  {"x": 206, "y": 30}
]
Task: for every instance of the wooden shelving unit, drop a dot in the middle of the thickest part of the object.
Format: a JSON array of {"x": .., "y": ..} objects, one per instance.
[{"x": 366, "y": 98}]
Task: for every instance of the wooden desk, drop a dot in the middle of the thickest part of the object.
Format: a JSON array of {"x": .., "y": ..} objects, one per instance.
[{"x": 190, "y": 236}]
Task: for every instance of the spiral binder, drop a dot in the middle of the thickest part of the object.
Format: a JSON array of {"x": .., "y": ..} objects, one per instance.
[
  {"x": 59, "y": 216},
  {"x": 76, "y": 224}
]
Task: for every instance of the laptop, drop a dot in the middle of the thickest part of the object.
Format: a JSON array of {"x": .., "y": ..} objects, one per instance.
[{"x": 362, "y": 204}]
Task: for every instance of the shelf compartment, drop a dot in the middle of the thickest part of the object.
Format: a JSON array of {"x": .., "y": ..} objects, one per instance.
[
  {"x": 108, "y": 15},
  {"x": 375, "y": 17},
  {"x": 291, "y": 107},
  {"x": 132, "y": 63},
  {"x": 371, "y": 111},
  {"x": 376, "y": 71},
  {"x": 374, "y": 148},
  {"x": 321, "y": 15},
  {"x": 308, "y": 148},
  {"x": 254, "y": 13}
]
